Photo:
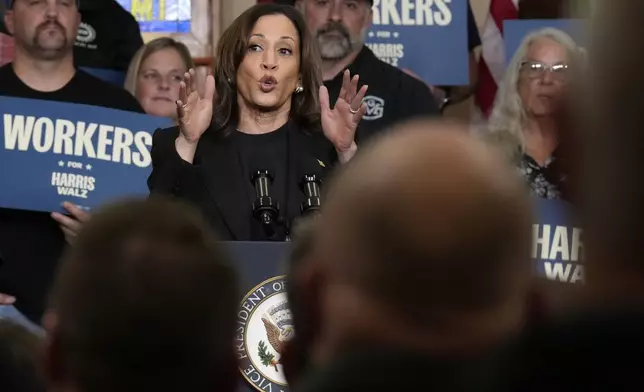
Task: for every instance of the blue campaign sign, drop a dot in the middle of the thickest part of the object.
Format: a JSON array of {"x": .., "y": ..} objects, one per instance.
[
  {"x": 160, "y": 16},
  {"x": 516, "y": 29},
  {"x": 557, "y": 243},
  {"x": 427, "y": 37},
  {"x": 52, "y": 152}
]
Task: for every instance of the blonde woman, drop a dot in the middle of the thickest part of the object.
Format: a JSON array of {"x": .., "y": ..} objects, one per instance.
[
  {"x": 155, "y": 73},
  {"x": 527, "y": 117}
]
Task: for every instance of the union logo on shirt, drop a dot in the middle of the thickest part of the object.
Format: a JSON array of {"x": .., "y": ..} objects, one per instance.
[
  {"x": 375, "y": 107},
  {"x": 86, "y": 36}
]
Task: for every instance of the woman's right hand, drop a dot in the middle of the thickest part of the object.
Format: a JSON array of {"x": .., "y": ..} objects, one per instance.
[{"x": 194, "y": 111}]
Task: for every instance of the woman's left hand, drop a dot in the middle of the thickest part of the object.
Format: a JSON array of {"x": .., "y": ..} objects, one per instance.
[
  {"x": 340, "y": 123},
  {"x": 71, "y": 225}
]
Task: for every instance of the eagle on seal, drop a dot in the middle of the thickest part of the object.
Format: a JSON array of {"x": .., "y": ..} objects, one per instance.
[
  {"x": 278, "y": 323},
  {"x": 276, "y": 336}
]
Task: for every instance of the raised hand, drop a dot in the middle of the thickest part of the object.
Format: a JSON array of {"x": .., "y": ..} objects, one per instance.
[
  {"x": 194, "y": 111},
  {"x": 73, "y": 224},
  {"x": 340, "y": 123}
]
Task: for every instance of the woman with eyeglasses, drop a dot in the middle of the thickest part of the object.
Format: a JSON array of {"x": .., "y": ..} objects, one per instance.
[{"x": 527, "y": 119}]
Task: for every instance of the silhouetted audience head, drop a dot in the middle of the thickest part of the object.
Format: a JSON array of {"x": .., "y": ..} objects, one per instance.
[
  {"x": 295, "y": 357},
  {"x": 612, "y": 120},
  {"x": 599, "y": 346},
  {"x": 423, "y": 243},
  {"x": 20, "y": 359},
  {"x": 145, "y": 300}
]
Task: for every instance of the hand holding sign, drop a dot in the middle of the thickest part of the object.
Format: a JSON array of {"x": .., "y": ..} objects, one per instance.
[
  {"x": 71, "y": 226},
  {"x": 84, "y": 154},
  {"x": 6, "y": 299},
  {"x": 194, "y": 111}
]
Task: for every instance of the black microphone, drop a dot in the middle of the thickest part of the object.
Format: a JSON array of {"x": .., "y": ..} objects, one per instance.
[
  {"x": 310, "y": 184},
  {"x": 265, "y": 209}
]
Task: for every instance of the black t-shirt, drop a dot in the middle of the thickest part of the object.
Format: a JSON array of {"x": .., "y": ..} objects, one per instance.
[
  {"x": 267, "y": 151},
  {"x": 108, "y": 36},
  {"x": 393, "y": 96},
  {"x": 31, "y": 242}
]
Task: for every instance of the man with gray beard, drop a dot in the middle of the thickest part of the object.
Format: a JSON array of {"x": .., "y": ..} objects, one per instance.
[{"x": 340, "y": 28}]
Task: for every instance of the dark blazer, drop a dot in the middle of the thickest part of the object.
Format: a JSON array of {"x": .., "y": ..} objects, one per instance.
[{"x": 215, "y": 182}]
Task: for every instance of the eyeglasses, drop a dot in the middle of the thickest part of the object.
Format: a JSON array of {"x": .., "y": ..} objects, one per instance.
[{"x": 537, "y": 70}]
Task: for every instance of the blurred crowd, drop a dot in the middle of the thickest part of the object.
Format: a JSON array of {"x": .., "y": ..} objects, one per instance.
[{"x": 415, "y": 271}]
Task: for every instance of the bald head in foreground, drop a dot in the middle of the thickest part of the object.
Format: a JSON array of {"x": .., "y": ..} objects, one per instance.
[
  {"x": 601, "y": 346},
  {"x": 422, "y": 252},
  {"x": 144, "y": 301}
]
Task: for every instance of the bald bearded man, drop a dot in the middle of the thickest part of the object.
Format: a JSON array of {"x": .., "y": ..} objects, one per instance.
[{"x": 419, "y": 267}]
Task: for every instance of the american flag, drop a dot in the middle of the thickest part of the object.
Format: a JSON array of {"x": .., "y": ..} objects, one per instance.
[{"x": 492, "y": 62}]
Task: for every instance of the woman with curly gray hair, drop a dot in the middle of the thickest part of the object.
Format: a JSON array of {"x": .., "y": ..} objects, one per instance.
[{"x": 526, "y": 119}]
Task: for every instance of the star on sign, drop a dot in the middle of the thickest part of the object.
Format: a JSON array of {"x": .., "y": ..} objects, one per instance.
[
  {"x": 371, "y": 34},
  {"x": 395, "y": 34},
  {"x": 61, "y": 163},
  {"x": 88, "y": 167}
]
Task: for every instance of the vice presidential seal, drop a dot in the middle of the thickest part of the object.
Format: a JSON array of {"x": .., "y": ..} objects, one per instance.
[{"x": 264, "y": 324}]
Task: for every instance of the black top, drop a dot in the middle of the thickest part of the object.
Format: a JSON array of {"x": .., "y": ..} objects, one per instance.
[
  {"x": 108, "y": 36},
  {"x": 32, "y": 242},
  {"x": 393, "y": 95},
  {"x": 265, "y": 152},
  {"x": 219, "y": 181}
]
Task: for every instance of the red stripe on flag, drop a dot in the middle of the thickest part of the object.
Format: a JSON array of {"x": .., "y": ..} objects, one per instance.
[
  {"x": 502, "y": 10},
  {"x": 486, "y": 90}
]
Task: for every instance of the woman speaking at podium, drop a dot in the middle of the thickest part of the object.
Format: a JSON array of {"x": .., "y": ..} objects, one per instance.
[{"x": 271, "y": 122}]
